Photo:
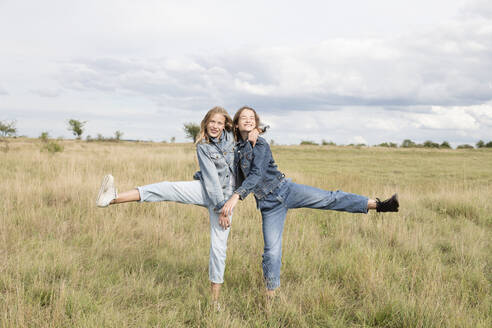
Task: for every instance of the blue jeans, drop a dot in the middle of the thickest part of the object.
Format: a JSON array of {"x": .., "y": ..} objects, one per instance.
[
  {"x": 192, "y": 192},
  {"x": 274, "y": 208}
]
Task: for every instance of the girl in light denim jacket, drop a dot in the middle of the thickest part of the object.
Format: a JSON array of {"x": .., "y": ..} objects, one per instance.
[
  {"x": 258, "y": 173},
  {"x": 213, "y": 186}
]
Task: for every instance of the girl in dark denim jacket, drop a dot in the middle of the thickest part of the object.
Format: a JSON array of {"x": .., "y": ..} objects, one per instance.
[
  {"x": 214, "y": 185},
  {"x": 258, "y": 173}
]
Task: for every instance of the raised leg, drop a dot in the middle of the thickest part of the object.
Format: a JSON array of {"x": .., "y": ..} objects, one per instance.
[
  {"x": 186, "y": 192},
  {"x": 306, "y": 196},
  {"x": 127, "y": 196}
]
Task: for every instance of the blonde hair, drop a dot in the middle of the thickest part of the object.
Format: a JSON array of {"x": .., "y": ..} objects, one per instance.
[
  {"x": 202, "y": 135},
  {"x": 235, "y": 121}
]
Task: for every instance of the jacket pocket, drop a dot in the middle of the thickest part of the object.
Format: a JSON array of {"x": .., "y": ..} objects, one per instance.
[{"x": 215, "y": 156}]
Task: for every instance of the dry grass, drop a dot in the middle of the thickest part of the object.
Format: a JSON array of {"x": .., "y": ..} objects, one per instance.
[{"x": 65, "y": 263}]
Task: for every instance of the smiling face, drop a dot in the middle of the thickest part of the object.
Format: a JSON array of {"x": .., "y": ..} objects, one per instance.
[
  {"x": 246, "y": 121},
  {"x": 215, "y": 125}
]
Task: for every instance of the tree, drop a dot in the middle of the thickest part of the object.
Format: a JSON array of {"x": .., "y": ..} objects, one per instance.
[
  {"x": 7, "y": 128},
  {"x": 480, "y": 144},
  {"x": 191, "y": 130},
  {"x": 466, "y": 146},
  {"x": 431, "y": 144},
  {"x": 77, "y": 127},
  {"x": 407, "y": 143},
  {"x": 117, "y": 135},
  {"x": 44, "y": 136},
  {"x": 445, "y": 145},
  {"x": 488, "y": 144}
]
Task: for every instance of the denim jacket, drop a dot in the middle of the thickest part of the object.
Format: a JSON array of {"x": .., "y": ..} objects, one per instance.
[
  {"x": 216, "y": 160},
  {"x": 256, "y": 169}
]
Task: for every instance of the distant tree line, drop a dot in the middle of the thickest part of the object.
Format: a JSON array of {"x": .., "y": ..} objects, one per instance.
[
  {"x": 8, "y": 129},
  {"x": 407, "y": 143}
]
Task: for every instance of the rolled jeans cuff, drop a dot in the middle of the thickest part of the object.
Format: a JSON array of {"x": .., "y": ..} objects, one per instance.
[
  {"x": 272, "y": 283},
  {"x": 140, "y": 192}
]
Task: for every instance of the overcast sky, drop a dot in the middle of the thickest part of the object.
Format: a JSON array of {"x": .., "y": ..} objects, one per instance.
[{"x": 350, "y": 72}]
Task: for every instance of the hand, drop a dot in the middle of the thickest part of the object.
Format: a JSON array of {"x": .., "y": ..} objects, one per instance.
[
  {"x": 229, "y": 205},
  {"x": 253, "y": 136},
  {"x": 224, "y": 221}
]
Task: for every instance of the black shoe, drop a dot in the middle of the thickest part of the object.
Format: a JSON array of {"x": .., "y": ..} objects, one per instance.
[{"x": 388, "y": 205}]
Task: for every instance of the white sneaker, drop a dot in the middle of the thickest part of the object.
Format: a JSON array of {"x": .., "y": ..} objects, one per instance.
[{"x": 107, "y": 192}]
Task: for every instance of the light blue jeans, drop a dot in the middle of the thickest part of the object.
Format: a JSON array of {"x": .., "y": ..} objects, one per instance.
[
  {"x": 274, "y": 207},
  {"x": 192, "y": 192}
]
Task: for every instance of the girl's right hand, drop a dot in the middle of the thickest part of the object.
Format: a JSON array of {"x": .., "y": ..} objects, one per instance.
[
  {"x": 224, "y": 221},
  {"x": 229, "y": 205}
]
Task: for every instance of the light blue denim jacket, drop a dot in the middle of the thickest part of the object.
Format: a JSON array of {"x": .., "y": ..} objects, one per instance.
[{"x": 216, "y": 160}]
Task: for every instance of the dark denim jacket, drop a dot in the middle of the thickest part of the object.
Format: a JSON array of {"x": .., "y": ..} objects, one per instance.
[
  {"x": 256, "y": 170},
  {"x": 216, "y": 160}
]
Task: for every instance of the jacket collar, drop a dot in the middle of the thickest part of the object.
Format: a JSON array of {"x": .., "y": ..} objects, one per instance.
[
  {"x": 219, "y": 139},
  {"x": 241, "y": 142}
]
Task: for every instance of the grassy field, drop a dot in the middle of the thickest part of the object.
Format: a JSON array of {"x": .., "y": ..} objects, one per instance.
[{"x": 66, "y": 263}]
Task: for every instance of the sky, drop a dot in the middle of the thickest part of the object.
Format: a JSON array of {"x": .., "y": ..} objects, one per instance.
[{"x": 349, "y": 72}]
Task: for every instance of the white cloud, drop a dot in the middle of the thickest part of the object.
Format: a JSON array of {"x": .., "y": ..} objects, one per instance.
[
  {"x": 446, "y": 118},
  {"x": 446, "y": 66},
  {"x": 380, "y": 70}
]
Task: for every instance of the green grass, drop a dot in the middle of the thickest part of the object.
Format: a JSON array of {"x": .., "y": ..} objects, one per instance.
[{"x": 65, "y": 263}]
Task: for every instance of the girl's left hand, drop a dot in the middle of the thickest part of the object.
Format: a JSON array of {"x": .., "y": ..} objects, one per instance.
[{"x": 229, "y": 205}]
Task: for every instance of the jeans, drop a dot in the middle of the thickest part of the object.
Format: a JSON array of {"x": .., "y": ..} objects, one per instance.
[
  {"x": 192, "y": 192},
  {"x": 288, "y": 195}
]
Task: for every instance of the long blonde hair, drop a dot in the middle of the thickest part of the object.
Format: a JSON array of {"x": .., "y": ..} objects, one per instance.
[{"x": 202, "y": 135}]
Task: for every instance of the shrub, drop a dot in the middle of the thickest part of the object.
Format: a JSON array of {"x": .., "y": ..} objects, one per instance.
[
  {"x": 328, "y": 143},
  {"x": 388, "y": 144},
  {"x": 308, "y": 142},
  {"x": 430, "y": 144},
  {"x": 466, "y": 146},
  {"x": 53, "y": 147}
]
